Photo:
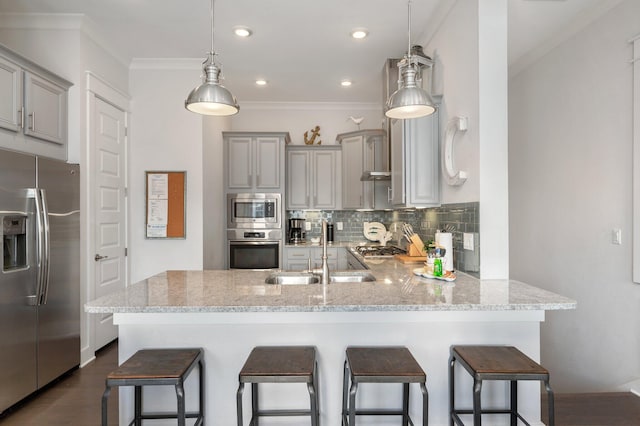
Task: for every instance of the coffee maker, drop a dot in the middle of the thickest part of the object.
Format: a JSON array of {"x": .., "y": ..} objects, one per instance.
[{"x": 296, "y": 232}]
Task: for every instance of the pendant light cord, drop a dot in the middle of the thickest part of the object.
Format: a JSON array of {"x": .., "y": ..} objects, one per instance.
[
  {"x": 212, "y": 22},
  {"x": 409, "y": 26}
]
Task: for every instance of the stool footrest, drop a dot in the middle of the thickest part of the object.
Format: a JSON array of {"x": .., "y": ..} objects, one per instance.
[{"x": 278, "y": 413}]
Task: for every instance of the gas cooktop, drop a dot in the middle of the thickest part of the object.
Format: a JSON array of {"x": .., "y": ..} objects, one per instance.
[{"x": 378, "y": 251}]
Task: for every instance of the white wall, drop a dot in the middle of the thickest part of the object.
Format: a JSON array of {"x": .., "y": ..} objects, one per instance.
[
  {"x": 470, "y": 49},
  {"x": 570, "y": 175},
  {"x": 164, "y": 136}
]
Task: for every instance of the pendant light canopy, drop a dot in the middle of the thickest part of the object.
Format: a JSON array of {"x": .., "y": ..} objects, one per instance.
[
  {"x": 410, "y": 100},
  {"x": 211, "y": 97}
]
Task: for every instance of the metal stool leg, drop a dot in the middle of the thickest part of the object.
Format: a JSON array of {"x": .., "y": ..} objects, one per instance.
[
  {"x": 182, "y": 420},
  {"x": 405, "y": 404},
  {"x": 345, "y": 386},
  {"x": 452, "y": 408},
  {"x": 477, "y": 408},
  {"x": 514, "y": 403},
  {"x": 201, "y": 387},
  {"x": 255, "y": 418},
  {"x": 138, "y": 406},
  {"x": 239, "y": 403},
  {"x": 352, "y": 404},
  {"x": 550, "y": 403},
  {"x": 425, "y": 404},
  {"x": 313, "y": 400},
  {"x": 105, "y": 404}
]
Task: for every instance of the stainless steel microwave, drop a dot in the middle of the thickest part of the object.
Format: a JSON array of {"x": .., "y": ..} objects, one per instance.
[{"x": 253, "y": 211}]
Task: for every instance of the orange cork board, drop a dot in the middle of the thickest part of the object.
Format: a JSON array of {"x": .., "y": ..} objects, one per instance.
[{"x": 166, "y": 204}]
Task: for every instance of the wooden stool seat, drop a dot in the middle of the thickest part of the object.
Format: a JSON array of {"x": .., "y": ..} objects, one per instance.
[
  {"x": 280, "y": 364},
  {"x": 382, "y": 364},
  {"x": 152, "y": 367},
  {"x": 485, "y": 362}
]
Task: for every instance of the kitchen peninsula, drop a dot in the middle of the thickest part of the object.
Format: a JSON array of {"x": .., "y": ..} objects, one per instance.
[{"x": 230, "y": 312}]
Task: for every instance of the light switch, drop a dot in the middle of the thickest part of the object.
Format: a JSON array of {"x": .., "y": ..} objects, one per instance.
[
  {"x": 616, "y": 236},
  {"x": 467, "y": 241}
]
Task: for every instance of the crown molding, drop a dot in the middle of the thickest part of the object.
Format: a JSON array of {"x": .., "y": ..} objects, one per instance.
[{"x": 61, "y": 22}]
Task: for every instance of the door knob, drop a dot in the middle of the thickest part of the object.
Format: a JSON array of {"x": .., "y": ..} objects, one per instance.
[{"x": 98, "y": 257}]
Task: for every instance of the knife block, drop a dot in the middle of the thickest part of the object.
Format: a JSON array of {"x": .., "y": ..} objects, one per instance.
[{"x": 416, "y": 248}]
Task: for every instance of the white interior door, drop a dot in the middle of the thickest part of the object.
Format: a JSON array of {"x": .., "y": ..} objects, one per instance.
[{"x": 110, "y": 211}]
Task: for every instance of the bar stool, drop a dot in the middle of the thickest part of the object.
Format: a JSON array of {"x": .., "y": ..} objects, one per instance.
[
  {"x": 383, "y": 364},
  {"x": 280, "y": 364},
  {"x": 495, "y": 363},
  {"x": 154, "y": 367}
]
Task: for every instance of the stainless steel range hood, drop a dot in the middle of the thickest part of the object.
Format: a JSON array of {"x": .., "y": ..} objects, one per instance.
[{"x": 375, "y": 176}]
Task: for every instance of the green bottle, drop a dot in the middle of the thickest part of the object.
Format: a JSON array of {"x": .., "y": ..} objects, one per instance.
[{"x": 437, "y": 267}]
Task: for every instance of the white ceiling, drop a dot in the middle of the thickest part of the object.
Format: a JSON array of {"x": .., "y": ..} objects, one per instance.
[{"x": 301, "y": 47}]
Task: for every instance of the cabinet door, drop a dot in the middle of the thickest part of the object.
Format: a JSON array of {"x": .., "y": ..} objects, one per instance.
[
  {"x": 10, "y": 95},
  {"x": 297, "y": 258},
  {"x": 298, "y": 175},
  {"x": 397, "y": 162},
  {"x": 423, "y": 187},
  {"x": 45, "y": 106},
  {"x": 352, "y": 167},
  {"x": 325, "y": 177},
  {"x": 239, "y": 163},
  {"x": 268, "y": 167}
]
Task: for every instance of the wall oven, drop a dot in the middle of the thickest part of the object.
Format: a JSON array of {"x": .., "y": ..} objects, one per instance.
[
  {"x": 254, "y": 249},
  {"x": 253, "y": 211}
]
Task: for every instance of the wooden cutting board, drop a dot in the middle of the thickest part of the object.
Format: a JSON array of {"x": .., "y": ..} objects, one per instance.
[{"x": 405, "y": 258}]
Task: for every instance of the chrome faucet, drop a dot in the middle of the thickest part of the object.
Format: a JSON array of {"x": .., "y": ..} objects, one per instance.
[{"x": 325, "y": 265}]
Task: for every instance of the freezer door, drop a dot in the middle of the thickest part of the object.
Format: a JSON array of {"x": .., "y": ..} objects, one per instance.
[
  {"x": 17, "y": 278},
  {"x": 59, "y": 317}
]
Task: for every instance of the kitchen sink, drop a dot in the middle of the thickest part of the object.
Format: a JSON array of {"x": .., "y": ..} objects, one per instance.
[
  {"x": 290, "y": 278},
  {"x": 351, "y": 277},
  {"x": 300, "y": 278}
]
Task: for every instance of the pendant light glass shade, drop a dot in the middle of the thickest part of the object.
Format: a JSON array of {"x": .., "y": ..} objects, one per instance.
[
  {"x": 211, "y": 97},
  {"x": 410, "y": 100}
]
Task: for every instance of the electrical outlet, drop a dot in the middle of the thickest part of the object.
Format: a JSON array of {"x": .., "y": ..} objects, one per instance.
[
  {"x": 307, "y": 226},
  {"x": 616, "y": 236},
  {"x": 467, "y": 242},
  {"x": 339, "y": 224}
]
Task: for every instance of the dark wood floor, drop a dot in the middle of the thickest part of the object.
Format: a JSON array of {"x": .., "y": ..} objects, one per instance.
[
  {"x": 72, "y": 401},
  {"x": 75, "y": 401}
]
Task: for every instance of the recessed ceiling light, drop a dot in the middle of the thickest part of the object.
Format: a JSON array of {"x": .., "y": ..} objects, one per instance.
[
  {"x": 242, "y": 31},
  {"x": 345, "y": 83},
  {"x": 261, "y": 82},
  {"x": 359, "y": 33}
]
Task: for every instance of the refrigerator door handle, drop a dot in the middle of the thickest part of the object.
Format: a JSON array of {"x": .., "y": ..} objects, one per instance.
[
  {"x": 40, "y": 243},
  {"x": 47, "y": 248}
]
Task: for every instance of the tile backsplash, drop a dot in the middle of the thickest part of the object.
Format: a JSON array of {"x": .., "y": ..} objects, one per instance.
[{"x": 457, "y": 218}]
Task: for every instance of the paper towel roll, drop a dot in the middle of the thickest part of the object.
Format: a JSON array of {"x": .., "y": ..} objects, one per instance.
[{"x": 445, "y": 240}]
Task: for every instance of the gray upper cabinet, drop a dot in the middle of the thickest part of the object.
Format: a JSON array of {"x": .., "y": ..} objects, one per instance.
[
  {"x": 10, "y": 95},
  {"x": 33, "y": 107},
  {"x": 313, "y": 177},
  {"x": 364, "y": 151},
  {"x": 254, "y": 162},
  {"x": 415, "y": 165}
]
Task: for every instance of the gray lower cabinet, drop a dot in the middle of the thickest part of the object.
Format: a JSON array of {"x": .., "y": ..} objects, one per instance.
[
  {"x": 415, "y": 165},
  {"x": 313, "y": 177},
  {"x": 254, "y": 161},
  {"x": 364, "y": 151},
  {"x": 33, "y": 107},
  {"x": 297, "y": 258}
]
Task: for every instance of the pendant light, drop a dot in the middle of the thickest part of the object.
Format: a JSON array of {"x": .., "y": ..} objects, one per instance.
[
  {"x": 409, "y": 101},
  {"x": 211, "y": 97}
]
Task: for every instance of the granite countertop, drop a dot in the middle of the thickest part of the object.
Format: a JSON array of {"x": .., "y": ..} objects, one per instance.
[{"x": 396, "y": 289}]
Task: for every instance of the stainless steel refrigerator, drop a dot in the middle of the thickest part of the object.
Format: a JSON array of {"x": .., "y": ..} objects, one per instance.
[{"x": 40, "y": 276}]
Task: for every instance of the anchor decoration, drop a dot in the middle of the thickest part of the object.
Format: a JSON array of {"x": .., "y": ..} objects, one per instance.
[{"x": 315, "y": 133}]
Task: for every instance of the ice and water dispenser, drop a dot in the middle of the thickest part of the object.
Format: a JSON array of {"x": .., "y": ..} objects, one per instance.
[{"x": 14, "y": 242}]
